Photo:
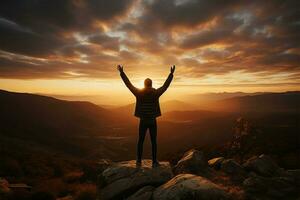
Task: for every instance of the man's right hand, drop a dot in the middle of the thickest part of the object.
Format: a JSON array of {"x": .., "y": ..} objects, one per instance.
[
  {"x": 120, "y": 68},
  {"x": 173, "y": 69}
]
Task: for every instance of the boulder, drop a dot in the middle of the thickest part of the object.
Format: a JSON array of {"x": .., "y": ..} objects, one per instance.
[
  {"x": 187, "y": 187},
  {"x": 69, "y": 197},
  {"x": 122, "y": 179},
  {"x": 263, "y": 165},
  {"x": 216, "y": 162},
  {"x": 4, "y": 188},
  {"x": 295, "y": 174},
  {"x": 290, "y": 160},
  {"x": 144, "y": 193},
  {"x": 103, "y": 164},
  {"x": 193, "y": 162},
  {"x": 233, "y": 169},
  {"x": 259, "y": 187}
]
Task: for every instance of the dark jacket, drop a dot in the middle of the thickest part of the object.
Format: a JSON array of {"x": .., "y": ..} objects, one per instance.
[{"x": 147, "y": 99}]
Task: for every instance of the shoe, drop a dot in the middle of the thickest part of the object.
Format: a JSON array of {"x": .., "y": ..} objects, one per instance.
[{"x": 155, "y": 164}]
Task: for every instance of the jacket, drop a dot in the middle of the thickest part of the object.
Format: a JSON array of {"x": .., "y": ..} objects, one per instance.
[{"x": 147, "y": 99}]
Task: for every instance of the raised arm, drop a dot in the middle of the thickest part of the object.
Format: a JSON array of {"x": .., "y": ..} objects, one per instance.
[
  {"x": 125, "y": 79},
  {"x": 167, "y": 83}
]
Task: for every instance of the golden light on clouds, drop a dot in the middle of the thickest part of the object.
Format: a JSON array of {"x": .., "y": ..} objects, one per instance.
[{"x": 235, "y": 46}]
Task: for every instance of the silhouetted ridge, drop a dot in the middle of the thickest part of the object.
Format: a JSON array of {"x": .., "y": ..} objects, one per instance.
[
  {"x": 267, "y": 102},
  {"x": 29, "y": 114}
]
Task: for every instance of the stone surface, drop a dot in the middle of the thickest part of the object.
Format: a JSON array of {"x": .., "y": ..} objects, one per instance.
[
  {"x": 230, "y": 166},
  {"x": 188, "y": 187},
  {"x": 295, "y": 174},
  {"x": 233, "y": 169},
  {"x": 216, "y": 162},
  {"x": 144, "y": 193},
  {"x": 4, "y": 187},
  {"x": 259, "y": 187},
  {"x": 263, "y": 165},
  {"x": 103, "y": 164},
  {"x": 69, "y": 197},
  {"x": 122, "y": 179},
  {"x": 193, "y": 162}
]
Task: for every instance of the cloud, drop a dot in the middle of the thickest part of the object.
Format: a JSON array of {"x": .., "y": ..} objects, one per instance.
[
  {"x": 18, "y": 39},
  {"x": 107, "y": 42},
  {"x": 184, "y": 12},
  {"x": 52, "y": 38},
  {"x": 41, "y": 27}
]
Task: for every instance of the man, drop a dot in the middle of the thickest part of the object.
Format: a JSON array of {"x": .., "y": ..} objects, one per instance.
[{"x": 147, "y": 109}]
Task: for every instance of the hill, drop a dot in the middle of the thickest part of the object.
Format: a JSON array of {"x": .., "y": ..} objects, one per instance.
[
  {"x": 166, "y": 106},
  {"x": 35, "y": 115},
  {"x": 190, "y": 115},
  {"x": 268, "y": 102},
  {"x": 200, "y": 99}
]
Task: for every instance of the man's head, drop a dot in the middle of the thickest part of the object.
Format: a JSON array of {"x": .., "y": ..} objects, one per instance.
[{"x": 148, "y": 83}]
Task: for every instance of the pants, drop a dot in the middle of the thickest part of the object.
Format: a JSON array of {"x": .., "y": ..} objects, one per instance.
[{"x": 146, "y": 124}]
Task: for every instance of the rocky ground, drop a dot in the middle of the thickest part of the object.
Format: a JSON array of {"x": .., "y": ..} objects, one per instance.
[{"x": 193, "y": 177}]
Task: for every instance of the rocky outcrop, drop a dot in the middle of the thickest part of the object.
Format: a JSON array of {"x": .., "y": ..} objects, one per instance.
[
  {"x": 233, "y": 169},
  {"x": 144, "y": 193},
  {"x": 263, "y": 165},
  {"x": 219, "y": 178},
  {"x": 295, "y": 173},
  {"x": 103, "y": 164},
  {"x": 259, "y": 187},
  {"x": 187, "y": 187},
  {"x": 193, "y": 162},
  {"x": 4, "y": 188},
  {"x": 216, "y": 162},
  {"x": 69, "y": 197},
  {"x": 268, "y": 181},
  {"x": 122, "y": 179}
]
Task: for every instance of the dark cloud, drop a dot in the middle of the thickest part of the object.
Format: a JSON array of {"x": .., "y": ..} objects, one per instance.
[
  {"x": 40, "y": 15},
  {"x": 205, "y": 37},
  {"x": 221, "y": 32},
  {"x": 107, "y": 42},
  {"x": 50, "y": 15},
  {"x": 26, "y": 69},
  {"x": 40, "y": 27},
  {"x": 17, "y": 39},
  {"x": 105, "y": 10},
  {"x": 184, "y": 12}
]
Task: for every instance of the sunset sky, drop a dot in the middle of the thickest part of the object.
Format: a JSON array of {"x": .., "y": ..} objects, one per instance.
[{"x": 72, "y": 47}]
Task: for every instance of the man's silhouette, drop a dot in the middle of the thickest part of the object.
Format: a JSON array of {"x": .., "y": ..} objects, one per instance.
[{"x": 147, "y": 109}]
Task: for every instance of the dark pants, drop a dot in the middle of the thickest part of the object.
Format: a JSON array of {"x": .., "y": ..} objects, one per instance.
[{"x": 146, "y": 124}]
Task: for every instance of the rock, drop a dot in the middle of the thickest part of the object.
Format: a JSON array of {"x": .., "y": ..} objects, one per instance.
[
  {"x": 122, "y": 179},
  {"x": 233, "y": 169},
  {"x": 73, "y": 177},
  {"x": 193, "y": 162},
  {"x": 263, "y": 165},
  {"x": 103, "y": 164},
  {"x": 69, "y": 197},
  {"x": 259, "y": 187},
  {"x": 4, "y": 187},
  {"x": 188, "y": 187},
  {"x": 230, "y": 166},
  {"x": 144, "y": 193},
  {"x": 216, "y": 162},
  {"x": 295, "y": 174},
  {"x": 290, "y": 160}
]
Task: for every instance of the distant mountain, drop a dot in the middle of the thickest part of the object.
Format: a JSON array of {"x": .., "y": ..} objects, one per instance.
[
  {"x": 166, "y": 106},
  {"x": 261, "y": 103},
  {"x": 267, "y": 102},
  {"x": 209, "y": 97},
  {"x": 30, "y": 115},
  {"x": 189, "y": 115},
  {"x": 177, "y": 105}
]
